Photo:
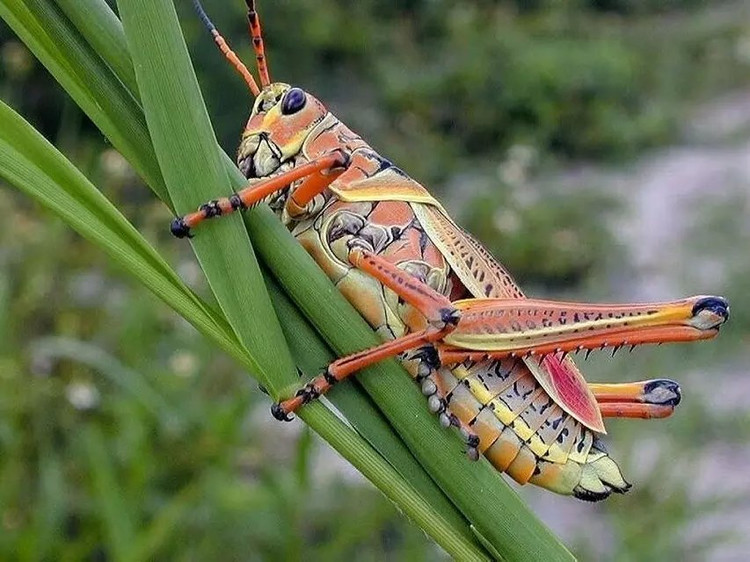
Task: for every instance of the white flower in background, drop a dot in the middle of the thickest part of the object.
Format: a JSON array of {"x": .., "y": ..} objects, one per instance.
[
  {"x": 518, "y": 164},
  {"x": 82, "y": 395},
  {"x": 507, "y": 221},
  {"x": 115, "y": 165},
  {"x": 184, "y": 363}
]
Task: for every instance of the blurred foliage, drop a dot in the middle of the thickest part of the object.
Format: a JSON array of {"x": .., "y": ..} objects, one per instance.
[
  {"x": 722, "y": 224},
  {"x": 156, "y": 454},
  {"x": 552, "y": 239},
  {"x": 442, "y": 86},
  {"x": 557, "y": 242}
]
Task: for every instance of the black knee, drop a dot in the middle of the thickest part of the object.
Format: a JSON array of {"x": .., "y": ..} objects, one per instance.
[
  {"x": 344, "y": 159},
  {"x": 236, "y": 203},
  {"x": 329, "y": 378}
]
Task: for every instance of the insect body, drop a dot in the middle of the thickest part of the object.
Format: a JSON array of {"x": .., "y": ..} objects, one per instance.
[{"x": 492, "y": 362}]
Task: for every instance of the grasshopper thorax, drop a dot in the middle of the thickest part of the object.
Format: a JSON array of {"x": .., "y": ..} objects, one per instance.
[{"x": 282, "y": 118}]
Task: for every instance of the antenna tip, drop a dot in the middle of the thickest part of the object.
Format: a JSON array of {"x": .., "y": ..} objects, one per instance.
[{"x": 203, "y": 16}]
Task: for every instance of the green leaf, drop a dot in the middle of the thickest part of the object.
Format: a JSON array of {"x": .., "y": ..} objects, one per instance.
[
  {"x": 30, "y": 163},
  {"x": 83, "y": 74},
  {"x": 101, "y": 29},
  {"x": 113, "y": 509},
  {"x": 311, "y": 355},
  {"x": 360, "y": 411},
  {"x": 475, "y": 487},
  {"x": 185, "y": 147}
]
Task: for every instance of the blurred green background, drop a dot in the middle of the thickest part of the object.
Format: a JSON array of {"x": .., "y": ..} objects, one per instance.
[{"x": 601, "y": 149}]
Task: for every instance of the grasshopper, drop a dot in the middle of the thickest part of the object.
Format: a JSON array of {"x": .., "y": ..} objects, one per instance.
[{"x": 492, "y": 362}]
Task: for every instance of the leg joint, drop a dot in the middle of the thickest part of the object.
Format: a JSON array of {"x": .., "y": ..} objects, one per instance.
[
  {"x": 343, "y": 159},
  {"x": 236, "y": 202},
  {"x": 329, "y": 378},
  {"x": 210, "y": 209},
  {"x": 450, "y": 316}
]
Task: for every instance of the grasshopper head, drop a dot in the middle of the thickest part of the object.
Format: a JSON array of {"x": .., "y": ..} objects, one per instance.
[
  {"x": 282, "y": 116},
  {"x": 280, "y": 122}
]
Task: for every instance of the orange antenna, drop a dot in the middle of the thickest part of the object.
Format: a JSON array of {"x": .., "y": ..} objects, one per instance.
[
  {"x": 228, "y": 53},
  {"x": 257, "y": 37}
]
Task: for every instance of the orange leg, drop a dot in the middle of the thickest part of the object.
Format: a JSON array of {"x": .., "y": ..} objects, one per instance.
[
  {"x": 304, "y": 193},
  {"x": 346, "y": 366},
  {"x": 499, "y": 328},
  {"x": 633, "y": 410},
  {"x": 438, "y": 310},
  {"x": 317, "y": 174},
  {"x": 647, "y": 399}
]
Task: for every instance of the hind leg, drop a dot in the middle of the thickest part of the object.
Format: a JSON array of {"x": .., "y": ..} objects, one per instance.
[{"x": 645, "y": 400}]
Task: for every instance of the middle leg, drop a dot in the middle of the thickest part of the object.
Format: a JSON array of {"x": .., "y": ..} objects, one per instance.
[
  {"x": 346, "y": 366},
  {"x": 438, "y": 310}
]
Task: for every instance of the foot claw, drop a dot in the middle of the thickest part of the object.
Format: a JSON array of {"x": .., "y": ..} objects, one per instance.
[
  {"x": 180, "y": 229},
  {"x": 278, "y": 412}
]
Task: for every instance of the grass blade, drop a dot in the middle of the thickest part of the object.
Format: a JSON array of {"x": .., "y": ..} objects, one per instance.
[
  {"x": 361, "y": 412},
  {"x": 118, "y": 522},
  {"x": 44, "y": 29},
  {"x": 521, "y": 536},
  {"x": 311, "y": 356},
  {"x": 30, "y": 163},
  {"x": 194, "y": 173},
  {"x": 25, "y": 160},
  {"x": 102, "y": 30}
]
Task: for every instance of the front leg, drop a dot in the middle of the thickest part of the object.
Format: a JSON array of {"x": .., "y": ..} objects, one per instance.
[{"x": 316, "y": 176}]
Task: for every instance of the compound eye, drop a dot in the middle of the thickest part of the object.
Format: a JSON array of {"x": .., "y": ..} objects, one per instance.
[{"x": 294, "y": 100}]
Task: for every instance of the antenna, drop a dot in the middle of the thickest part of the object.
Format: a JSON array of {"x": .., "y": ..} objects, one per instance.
[
  {"x": 256, "y": 36},
  {"x": 229, "y": 54}
]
